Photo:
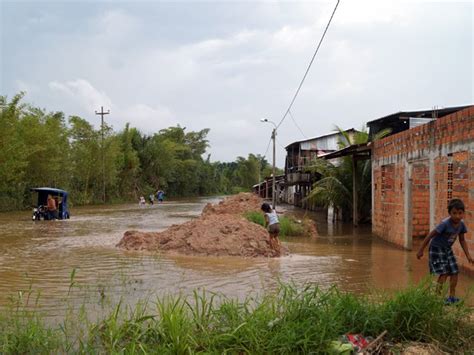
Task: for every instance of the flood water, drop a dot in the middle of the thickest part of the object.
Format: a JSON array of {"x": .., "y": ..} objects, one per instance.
[{"x": 40, "y": 256}]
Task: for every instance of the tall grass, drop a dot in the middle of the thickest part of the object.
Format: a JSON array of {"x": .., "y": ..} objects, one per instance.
[
  {"x": 288, "y": 226},
  {"x": 294, "y": 320},
  {"x": 255, "y": 217}
]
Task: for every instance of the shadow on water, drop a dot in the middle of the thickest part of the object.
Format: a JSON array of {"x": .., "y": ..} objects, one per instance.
[{"x": 42, "y": 255}]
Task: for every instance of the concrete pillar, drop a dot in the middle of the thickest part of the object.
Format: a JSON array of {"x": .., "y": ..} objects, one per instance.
[
  {"x": 432, "y": 192},
  {"x": 373, "y": 191},
  {"x": 408, "y": 212}
]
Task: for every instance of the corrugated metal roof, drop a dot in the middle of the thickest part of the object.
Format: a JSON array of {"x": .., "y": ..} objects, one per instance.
[
  {"x": 439, "y": 112},
  {"x": 320, "y": 137}
]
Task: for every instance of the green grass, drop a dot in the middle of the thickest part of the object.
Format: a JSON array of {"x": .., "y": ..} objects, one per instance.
[
  {"x": 293, "y": 320},
  {"x": 288, "y": 226},
  {"x": 255, "y": 217}
]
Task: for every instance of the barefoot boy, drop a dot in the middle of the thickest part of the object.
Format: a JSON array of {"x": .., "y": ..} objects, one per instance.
[{"x": 442, "y": 261}]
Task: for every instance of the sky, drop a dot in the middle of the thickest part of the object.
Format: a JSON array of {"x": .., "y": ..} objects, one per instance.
[{"x": 226, "y": 65}]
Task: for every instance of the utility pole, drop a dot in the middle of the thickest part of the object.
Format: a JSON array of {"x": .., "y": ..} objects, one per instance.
[
  {"x": 274, "y": 178},
  {"x": 102, "y": 114},
  {"x": 259, "y": 169}
]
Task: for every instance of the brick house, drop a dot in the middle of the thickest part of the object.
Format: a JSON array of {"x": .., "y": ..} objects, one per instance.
[{"x": 416, "y": 171}]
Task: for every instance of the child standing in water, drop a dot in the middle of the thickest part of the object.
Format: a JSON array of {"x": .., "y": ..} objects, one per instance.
[
  {"x": 442, "y": 261},
  {"x": 273, "y": 224}
]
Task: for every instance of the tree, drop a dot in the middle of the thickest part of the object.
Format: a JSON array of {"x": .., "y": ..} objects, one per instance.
[
  {"x": 13, "y": 154},
  {"x": 85, "y": 161},
  {"x": 334, "y": 188},
  {"x": 41, "y": 148},
  {"x": 128, "y": 164}
]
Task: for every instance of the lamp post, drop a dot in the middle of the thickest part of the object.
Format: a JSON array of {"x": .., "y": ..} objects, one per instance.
[{"x": 274, "y": 153}]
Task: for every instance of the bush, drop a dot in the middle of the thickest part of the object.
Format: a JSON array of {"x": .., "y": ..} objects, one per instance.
[
  {"x": 288, "y": 226},
  {"x": 255, "y": 217}
]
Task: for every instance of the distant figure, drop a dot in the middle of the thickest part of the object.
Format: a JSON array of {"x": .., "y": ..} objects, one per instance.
[
  {"x": 142, "y": 202},
  {"x": 151, "y": 197},
  {"x": 273, "y": 224},
  {"x": 160, "y": 195},
  {"x": 442, "y": 261},
  {"x": 52, "y": 208},
  {"x": 280, "y": 196}
]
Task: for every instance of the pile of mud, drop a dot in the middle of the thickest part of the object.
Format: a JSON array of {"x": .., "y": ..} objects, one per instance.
[
  {"x": 236, "y": 204},
  {"x": 219, "y": 231}
]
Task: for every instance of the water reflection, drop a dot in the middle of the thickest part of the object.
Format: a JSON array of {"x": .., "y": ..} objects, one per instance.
[{"x": 41, "y": 255}]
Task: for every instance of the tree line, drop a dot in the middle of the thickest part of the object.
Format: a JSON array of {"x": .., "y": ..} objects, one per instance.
[{"x": 41, "y": 148}]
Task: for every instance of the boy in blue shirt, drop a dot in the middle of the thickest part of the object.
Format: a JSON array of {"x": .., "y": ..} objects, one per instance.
[{"x": 442, "y": 261}]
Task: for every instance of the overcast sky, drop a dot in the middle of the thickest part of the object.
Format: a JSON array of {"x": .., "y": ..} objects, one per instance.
[{"x": 225, "y": 65}]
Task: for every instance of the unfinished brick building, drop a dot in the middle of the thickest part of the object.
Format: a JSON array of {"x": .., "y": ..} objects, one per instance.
[{"x": 416, "y": 171}]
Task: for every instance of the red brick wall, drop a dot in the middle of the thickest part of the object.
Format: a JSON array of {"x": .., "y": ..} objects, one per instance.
[
  {"x": 449, "y": 143},
  {"x": 389, "y": 208},
  {"x": 420, "y": 200}
]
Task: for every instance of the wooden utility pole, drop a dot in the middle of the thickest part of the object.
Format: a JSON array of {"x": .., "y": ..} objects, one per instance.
[
  {"x": 102, "y": 114},
  {"x": 355, "y": 202}
]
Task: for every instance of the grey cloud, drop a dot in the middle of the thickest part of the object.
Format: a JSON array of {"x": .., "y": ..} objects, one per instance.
[{"x": 226, "y": 65}]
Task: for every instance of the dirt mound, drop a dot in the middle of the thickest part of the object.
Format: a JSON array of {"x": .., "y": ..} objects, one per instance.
[
  {"x": 237, "y": 204},
  {"x": 309, "y": 227},
  {"x": 220, "y": 230}
]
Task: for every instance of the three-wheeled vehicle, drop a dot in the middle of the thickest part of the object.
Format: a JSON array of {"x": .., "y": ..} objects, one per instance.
[{"x": 40, "y": 209}]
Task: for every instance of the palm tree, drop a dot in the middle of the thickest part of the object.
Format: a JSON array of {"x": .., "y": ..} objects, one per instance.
[{"x": 334, "y": 188}]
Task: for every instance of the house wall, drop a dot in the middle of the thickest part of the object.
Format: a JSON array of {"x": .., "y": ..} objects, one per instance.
[
  {"x": 329, "y": 142},
  {"x": 416, "y": 172}
]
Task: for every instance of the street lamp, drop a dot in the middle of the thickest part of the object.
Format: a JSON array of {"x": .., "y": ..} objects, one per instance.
[{"x": 274, "y": 179}]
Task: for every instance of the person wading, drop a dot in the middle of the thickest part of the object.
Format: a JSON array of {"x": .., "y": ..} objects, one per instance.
[{"x": 273, "y": 224}]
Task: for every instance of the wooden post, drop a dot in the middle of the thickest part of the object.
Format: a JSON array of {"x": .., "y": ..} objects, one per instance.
[{"x": 355, "y": 215}]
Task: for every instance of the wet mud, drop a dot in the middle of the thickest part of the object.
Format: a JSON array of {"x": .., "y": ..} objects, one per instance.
[{"x": 221, "y": 230}]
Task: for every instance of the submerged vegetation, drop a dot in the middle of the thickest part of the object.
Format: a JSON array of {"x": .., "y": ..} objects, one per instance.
[
  {"x": 40, "y": 148},
  {"x": 289, "y": 227},
  {"x": 292, "y": 320}
]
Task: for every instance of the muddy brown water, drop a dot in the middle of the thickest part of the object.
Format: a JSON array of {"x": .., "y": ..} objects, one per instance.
[{"x": 40, "y": 256}]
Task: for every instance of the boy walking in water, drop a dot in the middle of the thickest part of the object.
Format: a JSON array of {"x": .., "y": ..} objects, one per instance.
[
  {"x": 442, "y": 261},
  {"x": 273, "y": 224}
]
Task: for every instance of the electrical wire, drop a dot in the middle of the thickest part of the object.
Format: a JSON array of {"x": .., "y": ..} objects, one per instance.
[
  {"x": 268, "y": 146},
  {"x": 276, "y": 140},
  {"x": 309, "y": 66},
  {"x": 296, "y": 124}
]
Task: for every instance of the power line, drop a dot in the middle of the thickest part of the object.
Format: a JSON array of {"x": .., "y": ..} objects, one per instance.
[
  {"x": 280, "y": 144},
  {"x": 296, "y": 124},
  {"x": 268, "y": 146},
  {"x": 309, "y": 66}
]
